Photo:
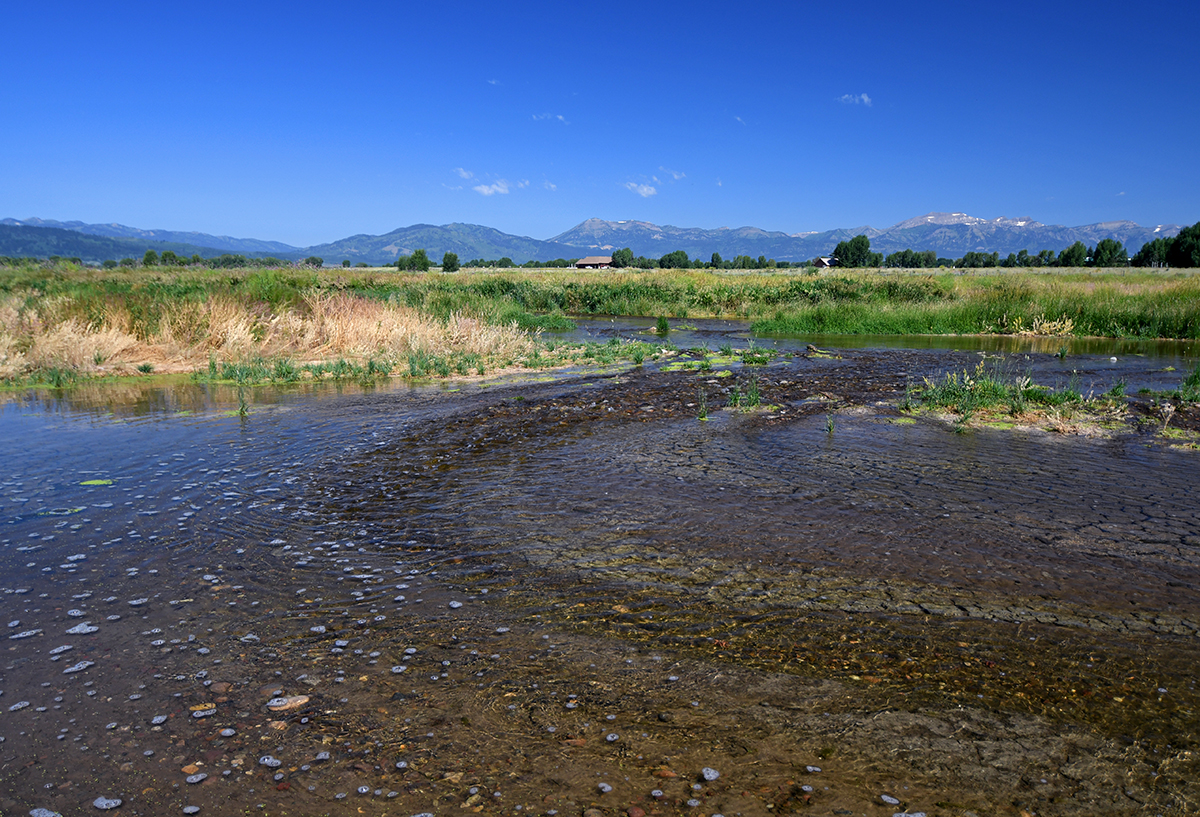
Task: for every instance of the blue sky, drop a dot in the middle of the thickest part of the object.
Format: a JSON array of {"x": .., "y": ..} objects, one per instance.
[{"x": 308, "y": 122}]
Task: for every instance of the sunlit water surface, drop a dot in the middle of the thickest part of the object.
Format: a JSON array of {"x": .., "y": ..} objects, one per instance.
[{"x": 544, "y": 596}]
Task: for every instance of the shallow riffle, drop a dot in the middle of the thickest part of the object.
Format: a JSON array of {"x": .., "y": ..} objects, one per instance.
[{"x": 552, "y": 594}]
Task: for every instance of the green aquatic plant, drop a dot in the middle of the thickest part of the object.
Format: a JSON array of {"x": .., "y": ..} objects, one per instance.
[
  {"x": 757, "y": 357},
  {"x": 285, "y": 371},
  {"x": 735, "y": 396},
  {"x": 753, "y": 398},
  {"x": 662, "y": 327}
]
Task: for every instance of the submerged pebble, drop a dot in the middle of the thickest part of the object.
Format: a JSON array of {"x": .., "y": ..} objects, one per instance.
[
  {"x": 710, "y": 774},
  {"x": 106, "y": 803}
]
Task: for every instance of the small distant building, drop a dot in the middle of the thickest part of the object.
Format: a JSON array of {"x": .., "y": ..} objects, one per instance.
[
  {"x": 824, "y": 263},
  {"x": 594, "y": 262}
]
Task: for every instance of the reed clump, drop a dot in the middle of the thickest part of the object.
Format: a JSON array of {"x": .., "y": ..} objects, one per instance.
[
  {"x": 110, "y": 335},
  {"x": 991, "y": 390}
]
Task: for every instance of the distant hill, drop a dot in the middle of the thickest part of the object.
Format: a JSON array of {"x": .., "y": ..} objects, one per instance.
[
  {"x": 949, "y": 234},
  {"x": 223, "y": 243},
  {"x": 468, "y": 241},
  {"x": 42, "y": 242},
  {"x": 653, "y": 241}
]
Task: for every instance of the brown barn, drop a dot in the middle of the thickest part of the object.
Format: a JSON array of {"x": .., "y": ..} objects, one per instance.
[{"x": 594, "y": 262}]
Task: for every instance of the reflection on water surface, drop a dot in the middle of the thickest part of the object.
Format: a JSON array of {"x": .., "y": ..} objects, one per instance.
[{"x": 545, "y": 597}]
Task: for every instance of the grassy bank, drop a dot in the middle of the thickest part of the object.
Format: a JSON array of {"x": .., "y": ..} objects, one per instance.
[
  {"x": 64, "y": 321},
  {"x": 61, "y": 324},
  {"x": 1097, "y": 304}
]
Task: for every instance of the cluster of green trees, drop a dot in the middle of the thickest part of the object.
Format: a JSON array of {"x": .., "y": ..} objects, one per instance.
[
  {"x": 508, "y": 263},
  {"x": 1181, "y": 251},
  {"x": 31, "y": 261},
  {"x": 679, "y": 260}
]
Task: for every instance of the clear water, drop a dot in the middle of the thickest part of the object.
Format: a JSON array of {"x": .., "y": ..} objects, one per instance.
[{"x": 526, "y": 592}]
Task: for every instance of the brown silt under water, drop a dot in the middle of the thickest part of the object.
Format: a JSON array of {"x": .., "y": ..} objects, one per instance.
[{"x": 607, "y": 592}]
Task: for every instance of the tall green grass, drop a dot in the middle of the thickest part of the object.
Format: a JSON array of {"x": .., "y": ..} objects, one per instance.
[{"x": 1152, "y": 304}]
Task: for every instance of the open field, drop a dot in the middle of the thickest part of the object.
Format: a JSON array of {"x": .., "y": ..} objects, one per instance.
[{"x": 66, "y": 322}]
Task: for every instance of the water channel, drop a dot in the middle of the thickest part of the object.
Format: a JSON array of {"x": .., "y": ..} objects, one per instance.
[{"x": 556, "y": 592}]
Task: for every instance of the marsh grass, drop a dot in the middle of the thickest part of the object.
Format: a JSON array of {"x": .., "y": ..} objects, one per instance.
[
  {"x": 254, "y": 341},
  {"x": 990, "y": 388},
  {"x": 94, "y": 323},
  {"x": 1189, "y": 389}
]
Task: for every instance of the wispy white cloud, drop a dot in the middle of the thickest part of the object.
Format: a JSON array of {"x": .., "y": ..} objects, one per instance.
[
  {"x": 1122, "y": 193},
  {"x": 719, "y": 183},
  {"x": 674, "y": 174},
  {"x": 523, "y": 183},
  {"x": 500, "y": 186},
  {"x": 493, "y": 82},
  {"x": 465, "y": 174},
  {"x": 855, "y": 99},
  {"x": 549, "y": 185},
  {"x": 553, "y": 116},
  {"x": 643, "y": 190},
  {"x": 739, "y": 119}
]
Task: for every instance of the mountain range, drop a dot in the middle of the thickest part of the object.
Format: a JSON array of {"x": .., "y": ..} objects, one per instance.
[{"x": 950, "y": 235}]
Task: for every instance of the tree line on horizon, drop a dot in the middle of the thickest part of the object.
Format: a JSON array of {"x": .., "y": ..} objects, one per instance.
[{"x": 1180, "y": 251}]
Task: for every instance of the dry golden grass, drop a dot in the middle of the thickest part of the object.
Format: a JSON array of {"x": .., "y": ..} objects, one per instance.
[{"x": 327, "y": 327}]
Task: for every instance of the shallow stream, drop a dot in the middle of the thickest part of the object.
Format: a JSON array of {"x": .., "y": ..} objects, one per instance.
[{"x": 562, "y": 592}]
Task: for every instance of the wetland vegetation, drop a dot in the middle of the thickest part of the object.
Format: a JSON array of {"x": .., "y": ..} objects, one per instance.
[
  {"x": 549, "y": 592},
  {"x": 60, "y": 322}
]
